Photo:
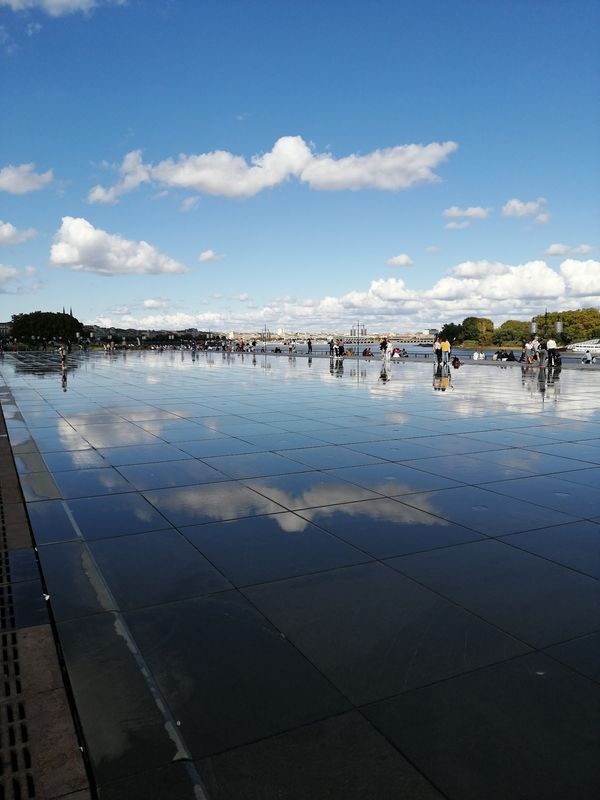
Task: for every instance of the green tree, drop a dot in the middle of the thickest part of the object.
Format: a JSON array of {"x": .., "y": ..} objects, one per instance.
[
  {"x": 578, "y": 325},
  {"x": 513, "y": 330},
  {"x": 452, "y": 332},
  {"x": 46, "y": 325},
  {"x": 478, "y": 329}
]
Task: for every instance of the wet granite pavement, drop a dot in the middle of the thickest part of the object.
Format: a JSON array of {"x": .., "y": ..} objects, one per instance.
[{"x": 283, "y": 578}]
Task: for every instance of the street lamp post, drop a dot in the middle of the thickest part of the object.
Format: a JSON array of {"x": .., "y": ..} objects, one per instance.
[
  {"x": 356, "y": 333},
  {"x": 558, "y": 327}
]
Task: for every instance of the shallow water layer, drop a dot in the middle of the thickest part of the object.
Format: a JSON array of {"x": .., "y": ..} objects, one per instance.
[{"x": 283, "y": 577}]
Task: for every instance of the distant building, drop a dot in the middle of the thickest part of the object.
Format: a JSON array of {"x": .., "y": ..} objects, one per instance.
[{"x": 5, "y": 329}]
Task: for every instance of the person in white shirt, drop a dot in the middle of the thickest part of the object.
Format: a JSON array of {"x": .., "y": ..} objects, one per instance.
[{"x": 551, "y": 348}]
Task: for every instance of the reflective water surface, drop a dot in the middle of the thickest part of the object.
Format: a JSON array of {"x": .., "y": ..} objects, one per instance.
[{"x": 275, "y": 579}]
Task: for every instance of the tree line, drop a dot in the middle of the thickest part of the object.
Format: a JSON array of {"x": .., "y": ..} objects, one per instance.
[{"x": 576, "y": 326}]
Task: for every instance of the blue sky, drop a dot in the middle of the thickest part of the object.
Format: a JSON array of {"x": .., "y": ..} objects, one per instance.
[{"x": 299, "y": 165}]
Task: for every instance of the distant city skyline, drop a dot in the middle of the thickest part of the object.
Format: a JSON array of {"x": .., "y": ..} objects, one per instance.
[{"x": 231, "y": 166}]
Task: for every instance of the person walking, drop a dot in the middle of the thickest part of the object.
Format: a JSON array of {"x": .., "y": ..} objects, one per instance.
[
  {"x": 437, "y": 350},
  {"x": 445, "y": 350},
  {"x": 551, "y": 350},
  {"x": 309, "y": 345}
]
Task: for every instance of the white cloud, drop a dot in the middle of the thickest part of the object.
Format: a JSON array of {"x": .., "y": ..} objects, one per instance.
[
  {"x": 491, "y": 289},
  {"x": 473, "y": 212},
  {"x": 7, "y": 274},
  {"x": 189, "y": 203},
  {"x": 56, "y": 8},
  {"x": 6, "y": 42},
  {"x": 11, "y": 280},
  {"x": 209, "y": 255},
  {"x": 11, "y": 235},
  {"x": 478, "y": 269},
  {"x": 390, "y": 169},
  {"x": 566, "y": 250},
  {"x": 531, "y": 208},
  {"x": 243, "y": 297},
  {"x": 134, "y": 173},
  {"x": 156, "y": 302},
  {"x": 23, "y": 179},
  {"x": 402, "y": 260},
  {"x": 432, "y": 248},
  {"x": 83, "y": 248},
  {"x": 582, "y": 278},
  {"x": 223, "y": 174},
  {"x": 457, "y": 226}
]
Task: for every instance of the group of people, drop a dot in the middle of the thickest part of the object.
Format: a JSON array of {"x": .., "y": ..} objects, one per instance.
[
  {"x": 336, "y": 348},
  {"x": 543, "y": 351},
  {"x": 504, "y": 355},
  {"x": 441, "y": 349}
]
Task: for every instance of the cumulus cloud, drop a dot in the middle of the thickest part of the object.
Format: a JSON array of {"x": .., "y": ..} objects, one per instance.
[
  {"x": 11, "y": 235},
  {"x": 390, "y": 169},
  {"x": 134, "y": 173},
  {"x": 209, "y": 255},
  {"x": 491, "y": 289},
  {"x": 224, "y": 174},
  {"x": 84, "y": 248},
  {"x": 582, "y": 278},
  {"x": 402, "y": 260},
  {"x": 563, "y": 250},
  {"x": 474, "y": 212},
  {"x": 531, "y": 208},
  {"x": 23, "y": 179}
]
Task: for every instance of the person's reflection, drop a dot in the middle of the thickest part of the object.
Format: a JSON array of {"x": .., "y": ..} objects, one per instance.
[
  {"x": 63, "y": 377},
  {"x": 528, "y": 378},
  {"x": 310, "y": 361},
  {"x": 383, "y": 375},
  {"x": 253, "y": 360},
  {"x": 542, "y": 382},
  {"x": 553, "y": 375},
  {"x": 554, "y": 381},
  {"x": 339, "y": 367},
  {"x": 331, "y": 366},
  {"x": 441, "y": 378}
]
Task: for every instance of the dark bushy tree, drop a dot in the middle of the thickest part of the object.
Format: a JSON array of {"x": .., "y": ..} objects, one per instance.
[
  {"x": 452, "y": 332},
  {"x": 46, "y": 325}
]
